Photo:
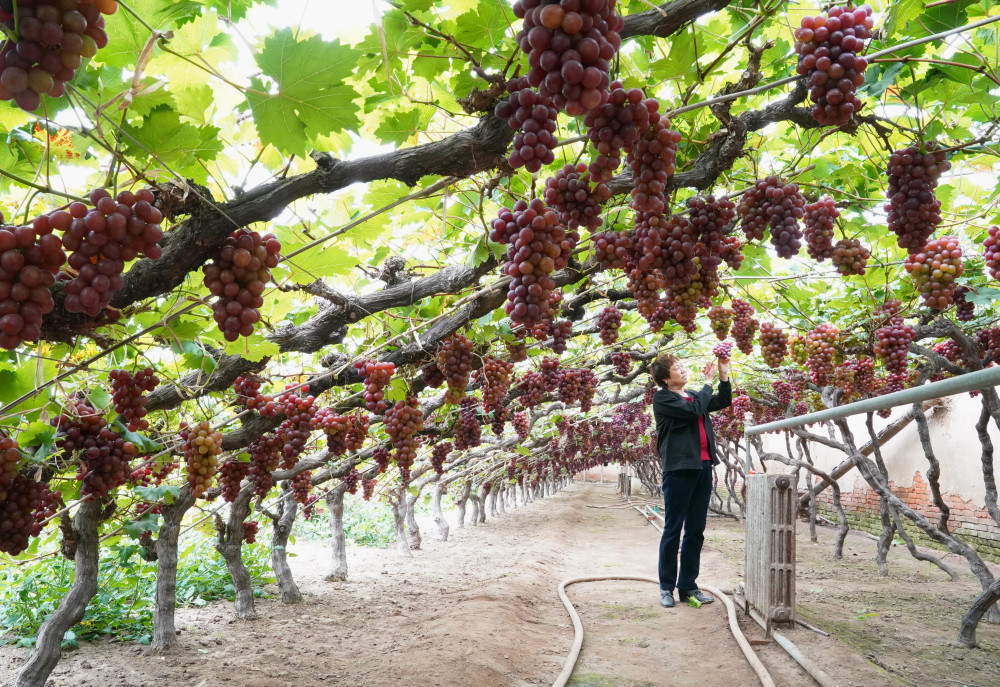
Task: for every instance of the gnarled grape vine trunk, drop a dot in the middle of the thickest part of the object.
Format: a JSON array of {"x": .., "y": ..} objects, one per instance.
[
  {"x": 37, "y": 669},
  {"x": 229, "y": 544},
  {"x": 338, "y": 540},
  {"x": 282, "y": 523},
  {"x": 164, "y": 630}
]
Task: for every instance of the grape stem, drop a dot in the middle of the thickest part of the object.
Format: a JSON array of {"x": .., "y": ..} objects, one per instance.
[{"x": 134, "y": 14}]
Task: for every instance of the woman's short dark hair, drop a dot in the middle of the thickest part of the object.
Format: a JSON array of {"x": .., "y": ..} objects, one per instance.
[{"x": 660, "y": 368}]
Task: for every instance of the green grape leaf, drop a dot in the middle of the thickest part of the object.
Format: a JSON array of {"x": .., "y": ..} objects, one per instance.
[
  {"x": 254, "y": 348},
  {"x": 163, "y": 139},
  {"x": 308, "y": 96},
  {"x": 36, "y": 434},
  {"x": 167, "y": 492},
  {"x": 397, "y": 127}
]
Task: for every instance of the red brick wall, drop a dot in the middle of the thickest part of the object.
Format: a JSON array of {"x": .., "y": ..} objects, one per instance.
[{"x": 967, "y": 519}]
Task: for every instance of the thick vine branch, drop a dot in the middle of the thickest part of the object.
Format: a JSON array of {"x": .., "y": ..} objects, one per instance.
[{"x": 668, "y": 18}]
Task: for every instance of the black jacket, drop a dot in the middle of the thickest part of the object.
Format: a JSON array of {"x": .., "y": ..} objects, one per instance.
[{"x": 678, "y": 440}]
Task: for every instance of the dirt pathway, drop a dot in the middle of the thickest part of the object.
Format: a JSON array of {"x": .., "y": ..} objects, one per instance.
[{"x": 480, "y": 609}]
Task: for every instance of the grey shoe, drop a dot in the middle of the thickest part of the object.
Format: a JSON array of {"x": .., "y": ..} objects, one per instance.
[
  {"x": 666, "y": 598},
  {"x": 698, "y": 595}
]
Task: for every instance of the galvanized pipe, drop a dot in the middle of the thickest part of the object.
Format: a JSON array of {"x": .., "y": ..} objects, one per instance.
[{"x": 971, "y": 381}]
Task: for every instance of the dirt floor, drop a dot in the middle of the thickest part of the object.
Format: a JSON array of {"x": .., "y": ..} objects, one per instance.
[{"x": 482, "y": 609}]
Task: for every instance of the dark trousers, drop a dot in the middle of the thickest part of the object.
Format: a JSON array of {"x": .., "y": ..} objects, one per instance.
[{"x": 686, "y": 494}]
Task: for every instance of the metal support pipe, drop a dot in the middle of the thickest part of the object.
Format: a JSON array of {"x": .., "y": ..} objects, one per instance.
[
  {"x": 747, "y": 424},
  {"x": 971, "y": 381}
]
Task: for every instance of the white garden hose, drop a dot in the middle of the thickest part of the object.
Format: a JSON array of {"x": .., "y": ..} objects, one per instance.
[{"x": 574, "y": 654}]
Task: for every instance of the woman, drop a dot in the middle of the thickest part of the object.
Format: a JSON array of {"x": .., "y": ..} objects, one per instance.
[{"x": 686, "y": 446}]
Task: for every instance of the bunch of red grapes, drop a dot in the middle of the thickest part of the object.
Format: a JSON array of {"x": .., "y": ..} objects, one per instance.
[
  {"x": 301, "y": 485},
  {"x": 820, "y": 344},
  {"x": 247, "y": 388},
  {"x": 843, "y": 378},
  {"x": 653, "y": 160},
  {"x": 47, "y": 41},
  {"x": 336, "y": 428},
  {"x": 250, "y": 530},
  {"x": 569, "y": 194},
  {"x": 613, "y": 127},
  {"x": 468, "y": 431},
  {"x": 570, "y": 46},
  {"x": 645, "y": 287},
  {"x": 236, "y": 276},
  {"x": 402, "y": 422},
  {"x": 202, "y": 446},
  {"x": 499, "y": 421},
  {"x": 744, "y": 325},
  {"x": 25, "y": 505},
  {"x": 991, "y": 251},
  {"x": 709, "y": 218},
  {"x": 913, "y": 210},
  {"x": 24, "y": 502},
  {"x": 934, "y": 270},
  {"x": 128, "y": 393},
  {"x": 517, "y": 351},
  {"x": 351, "y": 480},
  {"x": 537, "y": 245},
  {"x": 549, "y": 370},
  {"x": 265, "y": 454},
  {"x": 773, "y": 344},
  {"x": 376, "y": 377},
  {"x": 741, "y": 406},
  {"x": 819, "y": 219},
  {"x": 723, "y": 350},
  {"x": 380, "y": 454},
  {"x": 721, "y": 320},
  {"x": 622, "y": 362},
  {"x": 299, "y": 410},
  {"x": 774, "y": 204},
  {"x": 892, "y": 345},
  {"x": 965, "y": 310},
  {"x": 439, "y": 455},
  {"x": 454, "y": 359},
  {"x": 609, "y": 320},
  {"x": 612, "y": 249},
  {"x": 571, "y": 384},
  {"x": 533, "y": 117},
  {"x": 850, "y": 257},
  {"x": 101, "y": 240},
  {"x": 104, "y": 456},
  {"x": 783, "y": 392},
  {"x": 561, "y": 331},
  {"x": 494, "y": 380},
  {"x": 30, "y": 258},
  {"x": 864, "y": 374},
  {"x": 521, "y": 425},
  {"x": 829, "y": 47},
  {"x": 368, "y": 488},
  {"x": 231, "y": 475},
  {"x": 10, "y": 456},
  {"x": 433, "y": 377}
]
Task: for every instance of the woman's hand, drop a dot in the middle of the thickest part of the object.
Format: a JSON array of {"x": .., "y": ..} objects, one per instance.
[
  {"x": 724, "y": 370},
  {"x": 709, "y": 370}
]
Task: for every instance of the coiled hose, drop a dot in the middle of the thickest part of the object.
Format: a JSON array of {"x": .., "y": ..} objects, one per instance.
[{"x": 574, "y": 654}]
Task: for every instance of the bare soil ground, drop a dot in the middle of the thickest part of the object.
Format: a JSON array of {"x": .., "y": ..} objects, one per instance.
[{"x": 482, "y": 609}]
